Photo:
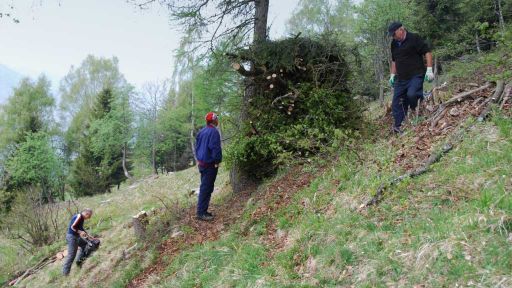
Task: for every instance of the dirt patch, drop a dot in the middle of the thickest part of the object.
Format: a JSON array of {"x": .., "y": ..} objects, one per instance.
[
  {"x": 198, "y": 233},
  {"x": 433, "y": 130},
  {"x": 272, "y": 198}
]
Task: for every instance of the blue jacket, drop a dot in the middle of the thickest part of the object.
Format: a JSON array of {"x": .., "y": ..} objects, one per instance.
[{"x": 208, "y": 149}]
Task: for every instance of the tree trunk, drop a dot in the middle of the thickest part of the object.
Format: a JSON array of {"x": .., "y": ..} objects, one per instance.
[
  {"x": 192, "y": 127},
  {"x": 260, "y": 20},
  {"x": 153, "y": 155},
  {"x": 139, "y": 222},
  {"x": 381, "y": 86},
  {"x": 500, "y": 17},
  {"x": 477, "y": 42},
  {"x": 240, "y": 180},
  {"x": 126, "y": 173}
]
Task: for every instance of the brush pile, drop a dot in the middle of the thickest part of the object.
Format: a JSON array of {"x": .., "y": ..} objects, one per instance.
[{"x": 299, "y": 102}]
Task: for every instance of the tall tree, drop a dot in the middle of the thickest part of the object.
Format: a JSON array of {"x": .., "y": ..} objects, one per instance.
[
  {"x": 28, "y": 160},
  {"x": 79, "y": 89},
  {"x": 214, "y": 21},
  {"x": 28, "y": 110},
  {"x": 149, "y": 105},
  {"x": 101, "y": 161}
]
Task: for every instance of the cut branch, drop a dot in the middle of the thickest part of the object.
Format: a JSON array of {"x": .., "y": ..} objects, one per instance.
[
  {"x": 461, "y": 96},
  {"x": 506, "y": 95},
  {"x": 291, "y": 95},
  {"x": 494, "y": 99},
  {"x": 247, "y": 73}
]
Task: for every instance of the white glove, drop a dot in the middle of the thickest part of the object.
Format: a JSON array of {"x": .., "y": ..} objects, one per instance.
[{"x": 429, "y": 76}]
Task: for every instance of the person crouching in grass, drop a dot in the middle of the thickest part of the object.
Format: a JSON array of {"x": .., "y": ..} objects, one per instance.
[{"x": 74, "y": 238}]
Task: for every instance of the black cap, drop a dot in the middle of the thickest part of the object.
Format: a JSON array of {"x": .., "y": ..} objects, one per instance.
[{"x": 393, "y": 27}]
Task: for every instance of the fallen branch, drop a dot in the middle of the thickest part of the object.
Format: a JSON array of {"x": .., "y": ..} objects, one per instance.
[
  {"x": 379, "y": 195},
  {"x": 40, "y": 265},
  {"x": 288, "y": 95},
  {"x": 457, "y": 98},
  {"x": 461, "y": 96},
  {"x": 506, "y": 95},
  {"x": 494, "y": 99},
  {"x": 425, "y": 167}
]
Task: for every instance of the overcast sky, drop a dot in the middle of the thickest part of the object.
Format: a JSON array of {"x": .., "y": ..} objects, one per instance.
[{"x": 55, "y": 34}]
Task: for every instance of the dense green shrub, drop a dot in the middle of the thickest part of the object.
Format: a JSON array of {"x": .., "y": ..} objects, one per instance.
[{"x": 302, "y": 106}]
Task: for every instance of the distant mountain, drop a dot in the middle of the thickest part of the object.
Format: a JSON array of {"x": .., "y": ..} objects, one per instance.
[{"x": 8, "y": 80}]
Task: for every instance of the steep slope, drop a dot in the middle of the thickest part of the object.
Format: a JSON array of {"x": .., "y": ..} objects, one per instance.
[
  {"x": 449, "y": 227},
  {"x": 309, "y": 226},
  {"x": 111, "y": 222}
]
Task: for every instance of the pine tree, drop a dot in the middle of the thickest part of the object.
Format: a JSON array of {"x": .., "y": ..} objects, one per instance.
[{"x": 99, "y": 164}]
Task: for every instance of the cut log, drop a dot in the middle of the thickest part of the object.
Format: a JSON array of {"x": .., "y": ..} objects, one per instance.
[
  {"x": 506, "y": 95},
  {"x": 500, "y": 85},
  {"x": 441, "y": 110},
  {"x": 461, "y": 96},
  {"x": 494, "y": 99},
  {"x": 140, "y": 222}
]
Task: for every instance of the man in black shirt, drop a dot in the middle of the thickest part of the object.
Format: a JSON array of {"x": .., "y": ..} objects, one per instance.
[{"x": 407, "y": 71}]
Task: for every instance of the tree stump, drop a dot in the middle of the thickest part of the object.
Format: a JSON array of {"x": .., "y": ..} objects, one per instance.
[{"x": 140, "y": 221}]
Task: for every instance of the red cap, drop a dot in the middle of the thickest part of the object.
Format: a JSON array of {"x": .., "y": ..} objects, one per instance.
[{"x": 210, "y": 117}]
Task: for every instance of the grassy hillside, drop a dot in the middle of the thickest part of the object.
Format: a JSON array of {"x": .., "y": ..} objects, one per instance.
[
  {"x": 452, "y": 226},
  {"x": 112, "y": 213},
  {"x": 307, "y": 227}
]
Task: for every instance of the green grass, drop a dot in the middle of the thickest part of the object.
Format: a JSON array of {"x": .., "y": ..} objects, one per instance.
[
  {"x": 448, "y": 227},
  {"x": 112, "y": 213}
]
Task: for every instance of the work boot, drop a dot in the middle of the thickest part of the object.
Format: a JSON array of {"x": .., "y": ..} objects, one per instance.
[
  {"x": 397, "y": 131},
  {"x": 79, "y": 263},
  {"x": 205, "y": 217},
  {"x": 209, "y": 214}
]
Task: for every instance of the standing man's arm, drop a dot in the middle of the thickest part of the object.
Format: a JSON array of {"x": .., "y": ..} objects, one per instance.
[
  {"x": 429, "y": 76},
  {"x": 392, "y": 69},
  {"x": 392, "y": 72},
  {"x": 215, "y": 147},
  {"x": 428, "y": 55}
]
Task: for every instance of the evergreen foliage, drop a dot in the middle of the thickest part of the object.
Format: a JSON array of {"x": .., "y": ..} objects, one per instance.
[
  {"x": 302, "y": 106},
  {"x": 98, "y": 166}
]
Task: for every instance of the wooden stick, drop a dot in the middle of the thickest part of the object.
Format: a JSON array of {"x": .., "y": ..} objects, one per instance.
[
  {"x": 379, "y": 195},
  {"x": 425, "y": 167},
  {"x": 288, "y": 95},
  {"x": 461, "y": 96},
  {"x": 506, "y": 95},
  {"x": 494, "y": 99}
]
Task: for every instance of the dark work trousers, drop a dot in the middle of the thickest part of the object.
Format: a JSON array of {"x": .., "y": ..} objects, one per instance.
[
  {"x": 407, "y": 93},
  {"x": 74, "y": 241},
  {"x": 208, "y": 176}
]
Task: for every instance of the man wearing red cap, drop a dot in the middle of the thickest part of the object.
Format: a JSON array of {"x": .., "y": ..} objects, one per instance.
[{"x": 209, "y": 156}]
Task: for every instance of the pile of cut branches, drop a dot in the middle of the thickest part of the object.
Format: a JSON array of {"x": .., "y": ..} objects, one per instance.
[
  {"x": 298, "y": 102},
  {"x": 444, "y": 117}
]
